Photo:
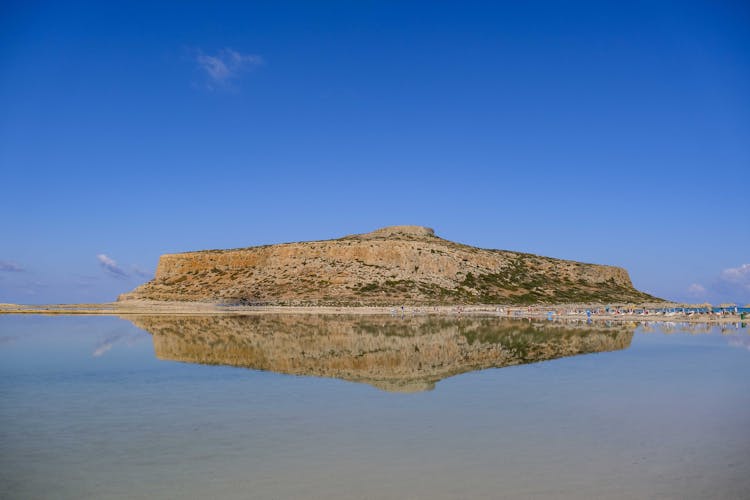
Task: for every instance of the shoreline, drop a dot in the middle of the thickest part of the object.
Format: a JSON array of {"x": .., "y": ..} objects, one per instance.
[{"x": 573, "y": 312}]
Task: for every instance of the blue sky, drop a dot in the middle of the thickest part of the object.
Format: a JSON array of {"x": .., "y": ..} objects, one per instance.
[{"x": 607, "y": 132}]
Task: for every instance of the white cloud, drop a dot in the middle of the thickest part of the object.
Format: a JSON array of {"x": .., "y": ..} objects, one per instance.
[
  {"x": 730, "y": 285},
  {"x": 216, "y": 68},
  {"x": 109, "y": 265},
  {"x": 225, "y": 66},
  {"x": 10, "y": 267},
  {"x": 737, "y": 276}
]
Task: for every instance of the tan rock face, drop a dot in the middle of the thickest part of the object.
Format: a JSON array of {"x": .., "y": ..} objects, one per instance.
[
  {"x": 393, "y": 265},
  {"x": 392, "y": 353}
]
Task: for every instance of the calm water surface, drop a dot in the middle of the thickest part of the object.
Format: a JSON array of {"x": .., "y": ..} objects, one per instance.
[{"x": 325, "y": 407}]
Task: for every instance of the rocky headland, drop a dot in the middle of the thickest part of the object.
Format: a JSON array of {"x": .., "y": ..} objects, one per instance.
[{"x": 391, "y": 266}]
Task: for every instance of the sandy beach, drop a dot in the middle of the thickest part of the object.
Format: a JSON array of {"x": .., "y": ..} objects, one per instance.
[{"x": 573, "y": 312}]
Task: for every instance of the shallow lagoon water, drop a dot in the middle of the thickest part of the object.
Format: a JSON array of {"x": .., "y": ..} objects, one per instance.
[{"x": 97, "y": 407}]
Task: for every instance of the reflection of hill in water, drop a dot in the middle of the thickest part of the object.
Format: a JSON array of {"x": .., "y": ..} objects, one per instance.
[{"x": 391, "y": 353}]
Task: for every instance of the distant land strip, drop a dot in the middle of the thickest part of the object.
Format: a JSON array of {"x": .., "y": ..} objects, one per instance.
[{"x": 655, "y": 312}]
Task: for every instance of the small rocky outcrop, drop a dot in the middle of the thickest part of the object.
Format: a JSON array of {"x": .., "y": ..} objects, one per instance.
[{"x": 390, "y": 266}]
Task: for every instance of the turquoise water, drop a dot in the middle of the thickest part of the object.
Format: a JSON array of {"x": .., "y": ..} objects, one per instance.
[{"x": 89, "y": 410}]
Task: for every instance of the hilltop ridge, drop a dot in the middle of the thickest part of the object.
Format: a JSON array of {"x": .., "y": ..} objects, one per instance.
[{"x": 389, "y": 266}]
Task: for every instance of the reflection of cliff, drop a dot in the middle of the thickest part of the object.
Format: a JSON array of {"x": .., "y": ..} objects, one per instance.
[{"x": 391, "y": 353}]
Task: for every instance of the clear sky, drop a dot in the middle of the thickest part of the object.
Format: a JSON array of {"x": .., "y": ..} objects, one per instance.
[{"x": 607, "y": 132}]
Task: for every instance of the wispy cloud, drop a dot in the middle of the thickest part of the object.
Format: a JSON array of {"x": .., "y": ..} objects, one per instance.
[
  {"x": 738, "y": 277},
  {"x": 106, "y": 344},
  {"x": 225, "y": 66},
  {"x": 141, "y": 272},
  {"x": 110, "y": 265},
  {"x": 10, "y": 267},
  {"x": 696, "y": 290},
  {"x": 731, "y": 284}
]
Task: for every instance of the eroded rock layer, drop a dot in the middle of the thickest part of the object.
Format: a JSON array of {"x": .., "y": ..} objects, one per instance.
[{"x": 393, "y": 265}]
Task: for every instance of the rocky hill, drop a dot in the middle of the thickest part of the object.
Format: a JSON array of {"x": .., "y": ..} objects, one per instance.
[{"x": 390, "y": 266}]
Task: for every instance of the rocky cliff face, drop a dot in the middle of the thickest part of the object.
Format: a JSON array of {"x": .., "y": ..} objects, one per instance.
[
  {"x": 392, "y": 353},
  {"x": 393, "y": 265}
]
